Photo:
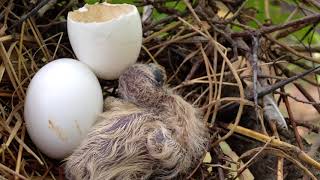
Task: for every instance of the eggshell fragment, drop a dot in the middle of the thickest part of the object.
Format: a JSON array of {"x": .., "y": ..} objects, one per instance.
[
  {"x": 62, "y": 102},
  {"x": 107, "y": 37}
]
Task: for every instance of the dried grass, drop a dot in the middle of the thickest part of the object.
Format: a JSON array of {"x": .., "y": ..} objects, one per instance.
[{"x": 206, "y": 61}]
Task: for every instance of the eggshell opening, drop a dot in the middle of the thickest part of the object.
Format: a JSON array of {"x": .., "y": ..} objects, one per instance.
[
  {"x": 102, "y": 12},
  {"x": 106, "y": 37}
]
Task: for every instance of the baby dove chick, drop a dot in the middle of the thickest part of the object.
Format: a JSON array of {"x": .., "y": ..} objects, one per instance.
[{"x": 149, "y": 133}]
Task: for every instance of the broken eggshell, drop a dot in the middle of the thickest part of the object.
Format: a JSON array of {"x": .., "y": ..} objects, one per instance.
[
  {"x": 62, "y": 102},
  {"x": 107, "y": 37}
]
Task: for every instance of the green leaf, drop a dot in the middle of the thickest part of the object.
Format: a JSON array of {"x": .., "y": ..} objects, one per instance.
[
  {"x": 121, "y": 1},
  {"x": 91, "y": 1}
]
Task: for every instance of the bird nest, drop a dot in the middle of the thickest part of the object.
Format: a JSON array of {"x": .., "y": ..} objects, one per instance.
[{"x": 217, "y": 55}]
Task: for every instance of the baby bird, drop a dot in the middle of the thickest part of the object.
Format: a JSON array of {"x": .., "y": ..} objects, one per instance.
[{"x": 147, "y": 133}]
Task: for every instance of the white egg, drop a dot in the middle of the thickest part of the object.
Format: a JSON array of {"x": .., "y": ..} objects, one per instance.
[
  {"x": 107, "y": 37},
  {"x": 62, "y": 102}
]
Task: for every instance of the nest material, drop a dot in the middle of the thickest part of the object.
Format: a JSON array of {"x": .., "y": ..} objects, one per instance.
[{"x": 219, "y": 68}]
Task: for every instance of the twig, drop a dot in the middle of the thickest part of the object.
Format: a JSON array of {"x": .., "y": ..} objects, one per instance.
[
  {"x": 11, "y": 171},
  {"x": 292, "y": 50},
  {"x": 315, "y": 3},
  {"x": 167, "y": 28},
  {"x": 312, "y": 48},
  {"x": 165, "y": 20},
  {"x": 291, "y": 118},
  {"x": 267, "y": 10},
  {"x": 254, "y": 63},
  {"x": 307, "y": 95},
  {"x": 269, "y": 29},
  {"x": 310, "y": 126},
  {"x": 219, "y": 154},
  {"x": 271, "y": 88},
  {"x": 236, "y": 76},
  {"x": 29, "y": 14},
  {"x": 290, "y": 30},
  {"x": 301, "y": 64},
  {"x": 280, "y": 161},
  {"x": 235, "y": 15},
  {"x": 282, "y": 83},
  {"x": 197, "y": 167},
  {"x": 246, "y": 165},
  {"x": 295, "y": 98},
  {"x": 290, "y": 73},
  {"x": 276, "y": 143},
  {"x": 207, "y": 64},
  {"x": 280, "y": 153},
  {"x": 20, "y": 150},
  {"x": 194, "y": 68}
]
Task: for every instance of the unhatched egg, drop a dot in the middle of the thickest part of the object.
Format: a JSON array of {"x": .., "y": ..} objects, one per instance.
[
  {"x": 107, "y": 37},
  {"x": 62, "y": 102}
]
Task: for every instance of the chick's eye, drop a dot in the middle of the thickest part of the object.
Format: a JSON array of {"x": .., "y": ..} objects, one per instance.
[{"x": 158, "y": 76}]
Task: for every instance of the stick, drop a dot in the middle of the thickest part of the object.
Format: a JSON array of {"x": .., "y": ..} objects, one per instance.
[
  {"x": 274, "y": 142},
  {"x": 29, "y": 14}
]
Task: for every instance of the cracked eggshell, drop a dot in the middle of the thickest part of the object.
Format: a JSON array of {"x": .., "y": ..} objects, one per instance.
[
  {"x": 62, "y": 102},
  {"x": 107, "y": 37}
]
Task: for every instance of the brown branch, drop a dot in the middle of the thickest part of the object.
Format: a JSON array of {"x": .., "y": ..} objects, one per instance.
[
  {"x": 165, "y": 20},
  {"x": 272, "y": 88},
  {"x": 315, "y": 3},
  {"x": 296, "y": 99},
  {"x": 301, "y": 48},
  {"x": 308, "y": 125},
  {"x": 292, "y": 50},
  {"x": 29, "y": 14},
  {"x": 282, "y": 83},
  {"x": 308, "y": 96},
  {"x": 290, "y": 30},
  {"x": 291, "y": 118},
  {"x": 254, "y": 64},
  {"x": 266, "y": 30},
  {"x": 289, "y": 73},
  {"x": 294, "y": 150}
]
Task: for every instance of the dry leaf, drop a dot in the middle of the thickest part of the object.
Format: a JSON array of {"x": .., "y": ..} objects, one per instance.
[
  {"x": 309, "y": 136},
  {"x": 246, "y": 174},
  {"x": 223, "y": 10},
  {"x": 208, "y": 159}
]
